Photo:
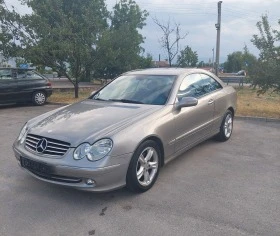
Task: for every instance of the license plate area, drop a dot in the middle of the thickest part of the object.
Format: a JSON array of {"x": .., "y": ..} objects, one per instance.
[{"x": 35, "y": 166}]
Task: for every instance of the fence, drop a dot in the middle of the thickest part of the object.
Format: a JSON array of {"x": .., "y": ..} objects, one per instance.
[{"x": 240, "y": 80}]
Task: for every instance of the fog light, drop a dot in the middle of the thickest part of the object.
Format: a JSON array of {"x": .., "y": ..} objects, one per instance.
[{"x": 90, "y": 182}]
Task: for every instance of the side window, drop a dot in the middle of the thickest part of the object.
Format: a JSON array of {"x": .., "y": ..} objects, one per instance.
[
  {"x": 33, "y": 75},
  {"x": 5, "y": 74},
  {"x": 27, "y": 74},
  {"x": 209, "y": 83},
  {"x": 192, "y": 86},
  {"x": 21, "y": 74}
]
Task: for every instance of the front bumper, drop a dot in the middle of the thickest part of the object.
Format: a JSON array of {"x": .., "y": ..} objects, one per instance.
[{"x": 109, "y": 174}]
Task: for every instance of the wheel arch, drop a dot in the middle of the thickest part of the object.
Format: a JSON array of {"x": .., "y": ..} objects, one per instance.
[
  {"x": 232, "y": 110},
  {"x": 159, "y": 143}
]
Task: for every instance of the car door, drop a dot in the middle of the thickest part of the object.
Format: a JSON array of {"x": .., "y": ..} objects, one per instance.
[
  {"x": 195, "y": 123},
  {"x": 8, "y": 86},
  {"x": 219, "y": 100},
  {"x": 28, "y": 81}
]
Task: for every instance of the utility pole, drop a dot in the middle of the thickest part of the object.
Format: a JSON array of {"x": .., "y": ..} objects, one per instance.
[
  {"x": 213, "y": 63},
  {"x": 218, "y": 27}
]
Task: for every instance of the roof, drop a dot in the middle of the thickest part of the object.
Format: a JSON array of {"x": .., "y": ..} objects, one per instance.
[
  {"x": 17, "y": 68},
  {"x": 166, "y": 71}
]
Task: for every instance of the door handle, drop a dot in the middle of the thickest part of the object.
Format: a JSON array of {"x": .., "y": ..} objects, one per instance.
[{"x": 211, "y": 101}]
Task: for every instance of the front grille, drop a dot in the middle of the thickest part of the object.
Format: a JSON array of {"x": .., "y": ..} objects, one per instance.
[{"x": 53, "y": 147}]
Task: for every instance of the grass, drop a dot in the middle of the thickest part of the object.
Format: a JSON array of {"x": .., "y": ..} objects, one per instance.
[
  {"x": 68, "y": 96},
  {"x": 248, "y": 103}
]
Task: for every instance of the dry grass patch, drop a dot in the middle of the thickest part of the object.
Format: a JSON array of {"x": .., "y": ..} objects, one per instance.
[
  {"x": 248, "y": 103},
  {"x": 68, "y": 96}
]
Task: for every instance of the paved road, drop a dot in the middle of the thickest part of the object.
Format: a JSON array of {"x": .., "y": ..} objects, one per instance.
[{"x": 230, "y": 188}]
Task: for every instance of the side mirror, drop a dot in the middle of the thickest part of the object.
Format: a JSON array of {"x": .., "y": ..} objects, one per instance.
[{"x": 186, "y": 102}]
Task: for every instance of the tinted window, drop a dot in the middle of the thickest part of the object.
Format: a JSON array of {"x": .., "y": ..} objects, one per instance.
[
  {"x": 6, "y": 74},
  {"x": 27, "y": 74},
  {"x": 146, "y": 89},
  {"x": 210, "y": 83},
  {"x": 197, "y": 85},
  {"x": 192, "y": 86}
]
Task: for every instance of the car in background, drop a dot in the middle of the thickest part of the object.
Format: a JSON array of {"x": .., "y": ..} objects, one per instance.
[
  {"x": 23, "y": 85},
  {"x": 241, "y": 73},
  {"x": 125, "y": 132}
]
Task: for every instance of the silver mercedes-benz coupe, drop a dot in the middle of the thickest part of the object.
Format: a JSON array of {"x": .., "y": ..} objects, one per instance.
[{"x": 125, "y": 132}]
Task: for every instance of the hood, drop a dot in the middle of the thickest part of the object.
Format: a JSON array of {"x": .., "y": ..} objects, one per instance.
[{"x": 89, "y": 120}]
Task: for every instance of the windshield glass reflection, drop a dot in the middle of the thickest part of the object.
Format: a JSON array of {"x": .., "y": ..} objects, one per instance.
[{"x": 139, "y": 89}]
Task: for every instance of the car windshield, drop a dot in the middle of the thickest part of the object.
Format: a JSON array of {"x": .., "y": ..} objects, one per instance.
[{"x": 141, "y": 89}]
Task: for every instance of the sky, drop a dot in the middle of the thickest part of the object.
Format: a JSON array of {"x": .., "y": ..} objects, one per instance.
[{"x": 198, "y": 19}]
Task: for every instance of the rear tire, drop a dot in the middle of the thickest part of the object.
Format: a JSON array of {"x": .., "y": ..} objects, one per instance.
[
  {"x": 226, "y": 127},
  {"x": 39, "y": 98},
  {"x": 144, "y": 167}
]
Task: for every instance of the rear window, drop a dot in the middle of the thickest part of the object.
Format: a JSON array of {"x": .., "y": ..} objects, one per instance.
[{"x": 6, "y": 74}]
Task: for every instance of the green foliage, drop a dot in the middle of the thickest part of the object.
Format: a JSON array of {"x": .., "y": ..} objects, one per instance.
[
  {"x": 76, "y": 39},
  {"x": 234, "y": 62},
  {"x": 8, "y": 48},
  {"x": 120, "y": 48},
  {"x": 187, "y": 58},
  {"x": 20, "y": 61},
  {"x": 266, "y": 73},
  {"x": 204, "y": 64},
  {"x": 146, "y": 62},
  {"x": 60, "y": 34},
  {"x": 239, "y": 60}
]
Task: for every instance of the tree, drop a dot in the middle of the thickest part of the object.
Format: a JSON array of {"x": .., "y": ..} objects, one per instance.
[
  {"x": 204, "y": 64},
  {"x": 8, "y": 47},
  {"x": 249, "y": 60},
  {"x": 234, "y": 62},
  {"x": 171, "y": 38},
  {"x": 267, "y": 70},
  {"x": 239, "y": 60},
  {"x": 187, "y": 58},
  {"x": 20, "y": 61},
  {"x": 146, "y": 62},
  {"x": 120, "y": 48},
  {"x": 60, "y": 34}
]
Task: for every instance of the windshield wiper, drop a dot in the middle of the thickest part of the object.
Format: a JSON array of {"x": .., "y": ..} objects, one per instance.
[
  {"x": 125, "y": 101},
  {"x": 100, "y": 99}
]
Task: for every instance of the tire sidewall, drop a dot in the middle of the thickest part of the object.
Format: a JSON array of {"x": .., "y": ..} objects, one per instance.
[{"x": 131, "y": 177}]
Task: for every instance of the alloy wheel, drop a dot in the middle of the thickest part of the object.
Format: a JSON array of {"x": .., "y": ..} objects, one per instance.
[
  {"x": 228, "y": 125},
  {"x": 147, "y": 166}
]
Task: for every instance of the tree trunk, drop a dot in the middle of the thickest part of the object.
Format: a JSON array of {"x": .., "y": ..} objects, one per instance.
[
  {"x": 75, "y": 84},
  {"x": 87, "y": 75},
  {"x": 76, "y": 87}
]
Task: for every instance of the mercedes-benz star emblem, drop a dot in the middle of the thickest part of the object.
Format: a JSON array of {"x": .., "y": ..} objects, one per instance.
[{"x": 42, "y": 145}]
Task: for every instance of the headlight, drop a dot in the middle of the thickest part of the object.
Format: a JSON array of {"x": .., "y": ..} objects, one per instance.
[
  {"x": 22, "y": 133},
  {"x": 93, "y": 152}
]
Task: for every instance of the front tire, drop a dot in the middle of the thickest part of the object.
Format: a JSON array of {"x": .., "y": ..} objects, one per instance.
[
  {"x": 144, "y": 167},
  {"x": 39, "y": 98},
  {"x": 226, "y": 127}
]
